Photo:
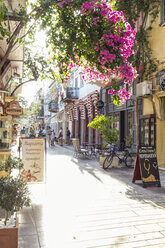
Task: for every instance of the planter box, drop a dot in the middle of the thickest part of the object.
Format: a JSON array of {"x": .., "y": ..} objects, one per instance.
[
  {"x": 114, "y": 162},
  {"x": 9, "y": 237},
  {"x": 102, "y": 161}
]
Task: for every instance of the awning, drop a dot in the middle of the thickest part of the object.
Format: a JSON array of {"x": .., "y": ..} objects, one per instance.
[{"x": 159, "y": 102}]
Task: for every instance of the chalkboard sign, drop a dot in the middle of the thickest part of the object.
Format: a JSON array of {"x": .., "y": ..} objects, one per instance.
[
  {"x": 149, "y": 168},
  {"x": 146, "y": 167},
  {"x": 99, "y": 104}
]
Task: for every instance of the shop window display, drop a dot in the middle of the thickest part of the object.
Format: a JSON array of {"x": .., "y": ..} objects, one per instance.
[{"x": 5, "y": 133}]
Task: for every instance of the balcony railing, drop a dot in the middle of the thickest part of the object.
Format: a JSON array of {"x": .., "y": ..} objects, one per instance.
[
  {"x": 71, "y": 94},
  {"x": 53, "y": 107}
]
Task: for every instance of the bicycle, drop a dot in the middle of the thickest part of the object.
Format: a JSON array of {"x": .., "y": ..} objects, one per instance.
[{"x": 126, "y": 158}]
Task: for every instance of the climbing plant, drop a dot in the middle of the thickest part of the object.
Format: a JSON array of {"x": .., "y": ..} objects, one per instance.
[
  {"x": 141, "y": 15},
  {"x": 92, "y": 35}
]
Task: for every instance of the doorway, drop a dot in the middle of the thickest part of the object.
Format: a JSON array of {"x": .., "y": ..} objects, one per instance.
[{"x": 122, "y": 127}]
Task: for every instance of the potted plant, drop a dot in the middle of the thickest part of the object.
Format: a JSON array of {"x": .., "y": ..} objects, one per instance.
[
  {"x": 105, "y": 125},
  {"x": 11, "y": 163},
  {"x": 14, "y": 195}
]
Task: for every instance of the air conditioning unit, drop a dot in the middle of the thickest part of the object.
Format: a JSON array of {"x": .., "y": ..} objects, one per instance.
[{"x": 144, "y": 88}]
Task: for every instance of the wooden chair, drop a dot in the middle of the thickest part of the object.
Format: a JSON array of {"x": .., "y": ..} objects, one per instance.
[{"x": 78, "y": 150}]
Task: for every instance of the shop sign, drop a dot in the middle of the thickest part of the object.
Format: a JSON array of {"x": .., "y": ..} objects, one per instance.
[
  {"x": 14, "y": 108},
  {"x": 99, "y": 104},
  {"x": 33, "y": 158},
  {"x": 10, "y": 98}
]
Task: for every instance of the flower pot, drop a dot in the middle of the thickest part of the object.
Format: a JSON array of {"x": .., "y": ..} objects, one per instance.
[{"x": 9, "y": 237}]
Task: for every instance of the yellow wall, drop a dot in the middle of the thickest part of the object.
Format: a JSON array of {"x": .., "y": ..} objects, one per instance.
[
  {"x": 147, "y": 106},
  {"x": 160, "y": 142},
  {"x": 157, "y": 42},
  {"x": 160, "y": 131}
]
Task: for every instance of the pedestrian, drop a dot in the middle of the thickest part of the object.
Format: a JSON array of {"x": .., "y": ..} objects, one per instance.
[
  {"x": 43, "y": 132},
  {"x": 32, "y": 133},
  {"x": 15, "y": 133},
  {"x": 67, "y": 136},
  {"x": 49, "y": 133},
  {"x": 60, "y": 136},
  {"x": 23, "y": 132},
  {"x": 40, "y": 133},
  {"x": 53, "y": 137},
  {"x": 37, "y": 132}
]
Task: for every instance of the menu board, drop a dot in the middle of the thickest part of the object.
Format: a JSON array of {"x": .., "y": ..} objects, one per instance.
[
  {"x": 149, "y": 168},
  {"x": 33, "y": 157},
  {"x": 146, "y": 168}
]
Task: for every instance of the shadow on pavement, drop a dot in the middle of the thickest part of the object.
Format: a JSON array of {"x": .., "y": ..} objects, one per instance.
[
  {"x": 135, "y": 191},
  {"x": 153, "y": 195}
]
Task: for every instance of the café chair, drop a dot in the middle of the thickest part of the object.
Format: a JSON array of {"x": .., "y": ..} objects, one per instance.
[{"x": 78, "y": 151}]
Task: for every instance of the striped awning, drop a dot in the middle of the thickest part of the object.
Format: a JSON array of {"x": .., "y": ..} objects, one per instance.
[{"x": 81, "y": 106}]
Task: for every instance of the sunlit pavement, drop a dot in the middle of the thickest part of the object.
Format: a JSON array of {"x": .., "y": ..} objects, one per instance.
[{"x": 81, "y": 205}]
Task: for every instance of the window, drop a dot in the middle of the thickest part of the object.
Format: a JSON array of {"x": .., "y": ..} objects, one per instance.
[
  {"x": 130, "y": 122},
  {"x": 69, "y": 83},
  {"x": 72, "y": 80},
  {"x": 162, "y": 11},
  {"x": 81, "y": 82},
  {"x": 147, "y": 132},
  {"x": 76, "y": 82}
]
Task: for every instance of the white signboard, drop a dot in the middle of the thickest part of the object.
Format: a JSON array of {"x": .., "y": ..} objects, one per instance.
[{"x": 33, "y": 157}]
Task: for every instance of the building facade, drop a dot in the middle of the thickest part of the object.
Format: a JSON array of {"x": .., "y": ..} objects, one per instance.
[
  {"x": 125, "y": 116},
  {"x": 72, "y": 106},
  {"x": 150, "y": 103}
]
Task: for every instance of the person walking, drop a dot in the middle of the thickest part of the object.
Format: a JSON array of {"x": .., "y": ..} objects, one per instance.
[
  {"x": 67, "y": 136},
  {"x": 49, "y": 133},
  {"x": 15, "y": 133},
  {"x": 53, "y": 137},
  {"x": 23, "y": 132},
  {"x": 32, "y": 133},
  {"x": 43, "y": 132},
  {"x": 60, "y": 136},
  {"x": 40, "y": 134}
]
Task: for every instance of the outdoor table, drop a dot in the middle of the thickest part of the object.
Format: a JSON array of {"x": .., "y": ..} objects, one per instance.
[{"x": 92, "y": 146}]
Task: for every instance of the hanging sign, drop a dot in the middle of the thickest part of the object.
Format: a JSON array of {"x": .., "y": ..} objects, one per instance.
[
  {"x": 99, "y": 104},
  {"x": 146, "y": 168},
  {"x": 14, "y": 108},
  {"x": 33, "y": 158},
  {"x": 10, "y": 98}
]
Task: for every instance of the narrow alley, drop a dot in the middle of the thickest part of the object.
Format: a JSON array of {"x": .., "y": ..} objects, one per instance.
[{"x": 83, "y": 206}]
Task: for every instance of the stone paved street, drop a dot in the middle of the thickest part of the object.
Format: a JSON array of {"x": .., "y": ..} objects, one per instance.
[{"x": 83, "y": 206}]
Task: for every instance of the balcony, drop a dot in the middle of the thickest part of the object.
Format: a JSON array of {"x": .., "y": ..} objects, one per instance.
[
  {"x": 53, "y": 107},
  {"x": 71, "y": 94}
]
